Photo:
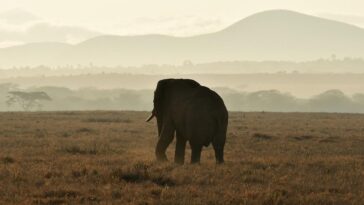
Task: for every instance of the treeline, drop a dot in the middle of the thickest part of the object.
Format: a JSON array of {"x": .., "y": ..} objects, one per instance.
[
  {"x": 333, "y": 64},
  {"x": 122, "y": 99},
  {"x": 275, "y": 101}
]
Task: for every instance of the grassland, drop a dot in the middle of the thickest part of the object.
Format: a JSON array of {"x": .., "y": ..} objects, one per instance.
[{"x": 108, "y": 158}]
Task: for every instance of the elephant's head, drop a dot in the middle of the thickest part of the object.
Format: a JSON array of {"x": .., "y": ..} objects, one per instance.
[{"x": 168, "y": 92}]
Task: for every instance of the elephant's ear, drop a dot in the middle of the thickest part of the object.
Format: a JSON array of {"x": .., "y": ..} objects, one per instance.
[{"x": 159, "y": 95}]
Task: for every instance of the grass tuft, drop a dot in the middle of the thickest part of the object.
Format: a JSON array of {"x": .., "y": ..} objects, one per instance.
[
  {"x": 260, "y": 136},
  {"x": 7, "y": 160}
]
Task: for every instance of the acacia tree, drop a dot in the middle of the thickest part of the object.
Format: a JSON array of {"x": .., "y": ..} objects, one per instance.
[{"x": 27, "y": 100}]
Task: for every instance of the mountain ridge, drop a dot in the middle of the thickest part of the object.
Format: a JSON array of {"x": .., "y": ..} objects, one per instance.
[{"x": 268, "y": 35}]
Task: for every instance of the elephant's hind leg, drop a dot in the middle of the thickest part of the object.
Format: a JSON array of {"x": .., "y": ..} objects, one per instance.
[
  {"x": 179, "y": 156},
  {"x": 196, "y": 154},
  {"x": 219, "y": 153}
]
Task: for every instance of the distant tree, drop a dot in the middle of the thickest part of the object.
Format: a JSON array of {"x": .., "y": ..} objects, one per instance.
[
  {"x": 359, "y": 98},
  {"x": 272, "y": 100},
  {"x": 27, "y": 100},
  {"x": 187, "y": 63},
  {"x": 331, "y": 101}
]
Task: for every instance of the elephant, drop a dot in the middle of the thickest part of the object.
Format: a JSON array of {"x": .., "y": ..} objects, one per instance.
[{"x": 191, "y": 112}]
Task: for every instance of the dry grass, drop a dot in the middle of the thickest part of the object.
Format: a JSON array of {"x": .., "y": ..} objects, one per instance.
[{"x": 108, "y": 158}]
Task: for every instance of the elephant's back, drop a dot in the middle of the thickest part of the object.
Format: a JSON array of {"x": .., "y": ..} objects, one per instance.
[{"x": 207, "y": 99}]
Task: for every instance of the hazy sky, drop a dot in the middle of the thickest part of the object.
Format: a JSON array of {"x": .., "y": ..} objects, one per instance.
[{"x": 87, "y": 18}]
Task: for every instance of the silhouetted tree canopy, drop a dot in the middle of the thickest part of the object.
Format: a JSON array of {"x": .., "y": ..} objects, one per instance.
[{"x": 27, "y": 100}]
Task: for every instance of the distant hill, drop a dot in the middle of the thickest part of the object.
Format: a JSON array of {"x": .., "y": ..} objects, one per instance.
[{"x": 270, "y": 35}]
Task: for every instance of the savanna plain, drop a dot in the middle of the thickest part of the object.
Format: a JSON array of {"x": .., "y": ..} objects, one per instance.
[{"x": 108, "y": 158}]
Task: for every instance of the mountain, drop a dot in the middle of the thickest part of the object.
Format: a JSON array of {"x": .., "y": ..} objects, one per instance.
[
  {"x": 19, "y": 27},
  {"x": 269, "y": 35}
]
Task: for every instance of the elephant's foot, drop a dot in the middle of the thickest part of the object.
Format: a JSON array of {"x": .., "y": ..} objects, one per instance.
[
  {"x": 195, "y": 161},
  {"x": 164, "y": 159},
  {"x": 160, "y": 150},
  {"x": 196, "y": 155},
  {"x": 161, "y": 157},
  {"x": 219, "y": 155},
  {"x": 219, "y": 161}
]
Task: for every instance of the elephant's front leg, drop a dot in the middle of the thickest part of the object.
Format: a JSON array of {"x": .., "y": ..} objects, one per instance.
[
  {"x": 179, "y": 156},
  {"x": 165, "y": 139}
]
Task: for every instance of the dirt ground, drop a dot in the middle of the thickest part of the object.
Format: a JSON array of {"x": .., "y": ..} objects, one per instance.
[{"x": 108, "y": 158}]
